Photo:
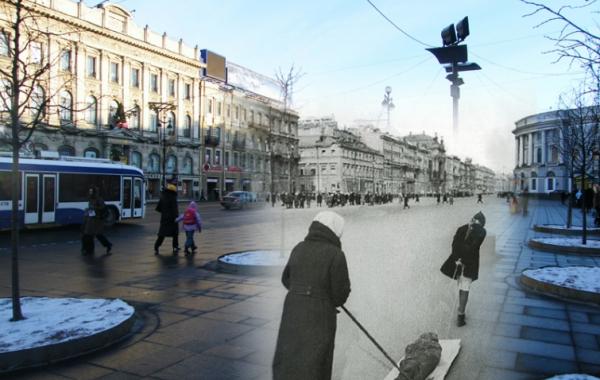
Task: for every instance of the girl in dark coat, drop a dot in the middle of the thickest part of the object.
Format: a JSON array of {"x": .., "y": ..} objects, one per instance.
[
  {"x": 316, "y": 277},
  {"x": 167, "y": 206},
  {"x": 463, "y": 263}
]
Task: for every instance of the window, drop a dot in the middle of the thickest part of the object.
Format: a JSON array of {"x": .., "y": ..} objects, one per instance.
[
  {"x": 171, "y": 164},
  {"x": 153, "y": 125},
  {"x": 187, "y": 165},
  {"x": 236, "y": 159},
  {"x": 91, "y": 114},
  {"x": 37, "y": 102},
  {"x": 188, "y": 91},
  {"x": 171, "y": 87},
  {"x": 114, "y": 72},
  {"x": 228, "y": 110},
  {"x": 65, "y": 60},
  {"x": 134, "y": 119},
  {"x": 154, "y": 82},
  {"x": 209, "y": 106},
  {"x": 91, "y": 153},
  {"x": 136, "y": 159},
  {"x": 171, "y": 120},
  {"x": 154, "y": 163},
  {"x": 135, "y": 78},
  {"x": 66, "y": 150},
  {"x": 244, "y": 114},
  {"x": 534, "y": 184},
  {"x": 227, "y": 160},
  {"x": 187, "y": 126},
  {"x": 550, "y": 184},
  {"x": 217, "y": 157},
  {"x": 237, "y": 112},
  {"x": 91, "y": 66},
  {"x": 208, "y": 156},
  {"x": 4, "y": 50},
  {"x": 75, "y": 187},
  {"x": 112, "y": 111},
  {"x": 539, "y": 155},
  {"x": 218, "y": 108},
  {"x": 66, "y": 106},
  {"x": 36, "y": 52}
]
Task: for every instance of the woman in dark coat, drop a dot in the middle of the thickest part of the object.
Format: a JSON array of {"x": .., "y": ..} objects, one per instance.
[
  {"x": 463, "y": 263},
  {"x": 93, "y": 223},
  {"x": 316, "y": 277},
  {"x": 167, "y": 206}
]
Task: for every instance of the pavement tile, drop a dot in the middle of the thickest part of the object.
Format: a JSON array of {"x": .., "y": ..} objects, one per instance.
[
  {"x": 588, "y": 356},
  {"x": 508, "y": 330},
  {"x": 255, "y": 321},
  {"x": 202, "y": 303},
  {"x": 221, "y": 316},
  {"x": 208, "y": 367},
  {"x": 544, "y": 312},
  {"x": 490, "y": 373},
  {"x": 229, "y": 351},
  {"x": 81, "y": 371},
  {"x": 513, "y": 308},
  {"x": 527, "y": 320},
  {"x": 501, "y": 359},
  {"x": 535, "y": 302},
  {"x": 167, "y": 318},
  {"x": 532, "y": 347},
  {"x": 544, "y": 364},
  {"x": 586, "y": 341},
  {"x": 38, "y": 375},
  {"x": 546, "y": 335}
]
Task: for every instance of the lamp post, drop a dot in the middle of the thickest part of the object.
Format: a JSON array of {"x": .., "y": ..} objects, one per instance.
[{"x": 163, "y": 128}]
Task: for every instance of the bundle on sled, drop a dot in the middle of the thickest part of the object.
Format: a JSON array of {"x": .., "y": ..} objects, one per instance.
[{"x": 426, "y": 358}]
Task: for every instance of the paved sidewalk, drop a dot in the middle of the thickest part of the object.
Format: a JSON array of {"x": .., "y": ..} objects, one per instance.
[{"x": 537, "y": 336}]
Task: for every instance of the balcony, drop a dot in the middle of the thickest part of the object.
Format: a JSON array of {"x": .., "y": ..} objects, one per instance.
[
  {"x": 211, "y": 140},
  {"x": 239, "y": 143}
]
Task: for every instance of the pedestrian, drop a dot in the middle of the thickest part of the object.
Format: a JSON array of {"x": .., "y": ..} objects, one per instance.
[
  {"x": 479, "y": 198},
  {"x": 273, "y": 199},
  {"x": 596, "y": 204},
  {"x": 319, "y": 199},
  {"x": 451, "y": 199},
  {"x": 191, "y": 223},
  {"x": 437, "y": 195},
  {"x": 406, "y": 203},
  {"x": 167, "y": 207},
  {"x": 93, "y": 223},
  {"x": 525, "y": 200},
  {"x": 316, "y": 277},
  {"x": 463, "y": 263},
  {"x": 514, "y": 204}
]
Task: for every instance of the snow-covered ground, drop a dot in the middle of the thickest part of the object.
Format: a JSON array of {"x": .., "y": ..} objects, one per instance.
[
  {"x": 568, "y": 242},
  {"x": 256, "y": 258},
  {"x": 575, "y": 277},
  {"x": 573, "y": 376},
  {"x": 564, "y": 227},
  {"x": 56, "y": 320}
]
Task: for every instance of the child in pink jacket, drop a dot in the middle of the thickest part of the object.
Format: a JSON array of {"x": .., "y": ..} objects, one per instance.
[{"x": 191, "y": 222}]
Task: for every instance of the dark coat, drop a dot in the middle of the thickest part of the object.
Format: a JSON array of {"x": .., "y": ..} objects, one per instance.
[
  {"x": 316, "y": 277},
  {"x": 94, "y": 224},
  {"x": 467, "y": 250},
  {"x": 167, "y": 206}
]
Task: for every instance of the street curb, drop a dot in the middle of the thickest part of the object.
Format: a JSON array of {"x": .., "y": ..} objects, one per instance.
[
  {"x": 562, "y": 249},
  {"x": 249, "y": 270},
  {"x": 560, "y": 292},
  {"x": 50, "y": 354},
  {"x": 563, "y": 231}
]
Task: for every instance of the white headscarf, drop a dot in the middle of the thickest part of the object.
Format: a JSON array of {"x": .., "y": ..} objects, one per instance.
[{"x": 331, "y": 220}]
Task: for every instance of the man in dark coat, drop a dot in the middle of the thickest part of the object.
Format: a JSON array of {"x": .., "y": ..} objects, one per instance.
[
  {"x": 93, "y": 223},
  {"x": 316, "y": 277},
  {"x": 167, "y": 206},
  {"x": 463, "y": 263}
]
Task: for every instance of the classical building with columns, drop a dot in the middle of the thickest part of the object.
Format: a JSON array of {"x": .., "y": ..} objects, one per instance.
[{"x": 539, "y": 165}]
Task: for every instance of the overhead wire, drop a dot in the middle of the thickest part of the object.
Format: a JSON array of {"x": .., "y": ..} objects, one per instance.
[{"x": 397, "y": 27}]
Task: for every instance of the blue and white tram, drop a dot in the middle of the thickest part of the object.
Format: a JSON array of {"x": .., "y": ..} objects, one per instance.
[{"x": 55, "y": 192}]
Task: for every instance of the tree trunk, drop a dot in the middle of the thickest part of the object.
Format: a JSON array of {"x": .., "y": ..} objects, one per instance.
[
  {"x": 571, "y": 201},
  {"x": 583, "y": 205}
]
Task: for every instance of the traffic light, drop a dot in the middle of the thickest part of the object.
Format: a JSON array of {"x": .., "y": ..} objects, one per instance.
[
  {"x": 462, "y": 29},
  {"x": 449, "y": 35}
]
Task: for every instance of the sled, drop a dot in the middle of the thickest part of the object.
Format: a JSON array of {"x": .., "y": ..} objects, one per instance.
[{"x": 450, "y": 349}]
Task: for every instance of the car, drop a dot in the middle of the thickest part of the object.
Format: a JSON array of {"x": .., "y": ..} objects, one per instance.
[{"x": 239, "y": 199}]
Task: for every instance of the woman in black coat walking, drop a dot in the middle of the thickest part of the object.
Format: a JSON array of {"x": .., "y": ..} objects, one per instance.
[
  {"x": 463, "y": 263},
  {"x": 316, "y": 277},
  {"x": 93, "y": 223},
  {"x": 167, "y": 206}
]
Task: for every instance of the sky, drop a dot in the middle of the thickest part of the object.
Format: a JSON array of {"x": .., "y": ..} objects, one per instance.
[{"x": 349, "y": 53}]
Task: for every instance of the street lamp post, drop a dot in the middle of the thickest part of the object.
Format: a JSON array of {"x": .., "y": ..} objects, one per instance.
[{"x": 160, "y": 108}]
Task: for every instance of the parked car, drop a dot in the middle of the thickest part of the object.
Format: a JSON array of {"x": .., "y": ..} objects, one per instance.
[{"x": 239, "y": 199}]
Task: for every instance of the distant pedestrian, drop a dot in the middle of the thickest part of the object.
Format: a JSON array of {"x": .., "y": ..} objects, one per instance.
[
  {"x": 525, "y": 201},
  {"x": 406, "y": 203},
  {"x": 514, "y": 205},
  {"x": 93, "y": 223},
  {"x": 191, "y": 223},
  {"x": 273, "y": 199},
  {"x": 463, "y": 263},
  {"x": 451, "y": 199},
  {"x": 437, "y": 195},
  {"x": 167, "y": 207},
  {"x": 596, "y": 204},
  {"x": 319, "y": 200},
  {"x": 317, "y": 280},
  {"x": 479, "y": 198}
]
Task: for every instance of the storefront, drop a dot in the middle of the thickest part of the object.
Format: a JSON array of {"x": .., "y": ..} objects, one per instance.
[{"x": 212, "y": 188}]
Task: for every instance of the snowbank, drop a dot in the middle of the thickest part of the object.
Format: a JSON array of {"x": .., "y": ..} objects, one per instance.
[
  {"x": 581, "y": 278},
  {"x": 255, "y": 258},
  {"x": 568, "y": 242},
  {"x": 56, "y": 320},
  {"x": 573, "y": 376}
]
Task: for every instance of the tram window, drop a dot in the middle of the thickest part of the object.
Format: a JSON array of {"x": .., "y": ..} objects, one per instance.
[
  {"x": 5, "y": 184},
  {"x": 75, "y": 187}
]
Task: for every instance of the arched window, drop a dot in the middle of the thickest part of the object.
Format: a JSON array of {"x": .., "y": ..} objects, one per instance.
[
  {"x": 153, "y": 125},
  {"x": 187, "y": 127},
  {"x": 171, "y": 119},
  {"x": 187, "y": 165},
  {"x": 37, "y": 103},
  {"x": 91, "y": 153},
  {"x": 550, "y": 181},
  {"x": 136, "y": 159},
  {"x": 533, "y": 175},
  {"x": 154, "y": 163},
  {"x": 171, "y": 164},
  {"x": 66, "y": 150},
  {"x": 91, "y": 112},
  {"x": 66, "y": 106},
  {"x": 5, "y": 97},
  {"x": 112, "y": 111},
  {"x": 134, "y": 119}
]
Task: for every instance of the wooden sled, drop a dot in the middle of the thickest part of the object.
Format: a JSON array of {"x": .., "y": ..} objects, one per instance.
[{"x": 450, "y": 349}]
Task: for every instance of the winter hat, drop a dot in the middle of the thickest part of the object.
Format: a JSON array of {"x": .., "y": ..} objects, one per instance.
[
  {"x": 331, "y": 220},
  {"x": 193, "y": 205},
  {"x": 480, "y": 217}
]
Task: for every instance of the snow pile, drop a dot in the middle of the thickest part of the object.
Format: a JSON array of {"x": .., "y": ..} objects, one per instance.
[
  {"x": 258, "y": 258},
  {"x": 564, "y": 227},
  {"x": 575, "y": 277},
  {"x": 573, "y": 376},
  {"x": 568, "y": 242},
  {"x": 56, "y": 320}
]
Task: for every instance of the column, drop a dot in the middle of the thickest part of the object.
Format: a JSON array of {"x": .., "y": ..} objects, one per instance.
[
  {"x": 544, "y": 158},
  {"x": 517, "y": 155},
  {"x": 530, "y": 158}
]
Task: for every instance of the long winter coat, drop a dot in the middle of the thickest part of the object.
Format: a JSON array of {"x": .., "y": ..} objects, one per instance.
[
  {"x": 467, "y": 250},
  {"x": 316, "y": 277},
  {"x": 93, "y": 221},
  {"x": 167, "y": 206}
]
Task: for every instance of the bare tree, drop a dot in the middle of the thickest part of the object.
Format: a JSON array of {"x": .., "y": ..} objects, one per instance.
[
  {"x": 25, "y": 100},
  {"x": 580, "y": 132}
]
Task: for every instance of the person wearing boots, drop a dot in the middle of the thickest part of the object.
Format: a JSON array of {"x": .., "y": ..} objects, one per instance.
[
  {"x": 93, "y": 223},
  {"x": 463, "y": 263},
  {"x": 317, "y": 280},
  {"x": 167, "y": 207}
]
